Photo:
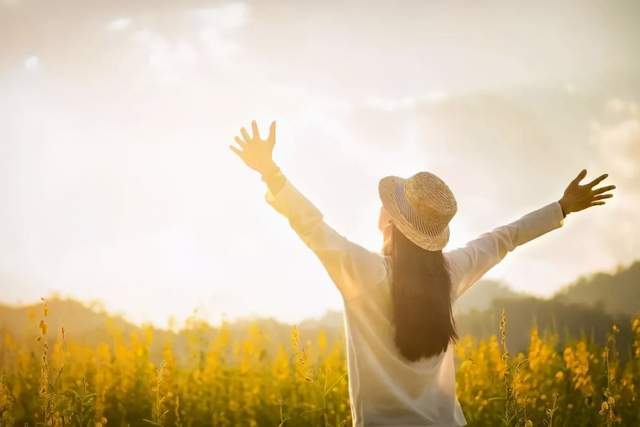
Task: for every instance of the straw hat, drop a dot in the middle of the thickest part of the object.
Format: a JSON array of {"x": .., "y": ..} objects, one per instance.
[{"x": 421, "y": 206}]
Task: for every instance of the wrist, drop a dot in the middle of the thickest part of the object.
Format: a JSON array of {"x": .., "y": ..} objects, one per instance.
[
  {"x": 563, "y": 208},
  {"x": 274, "y": 179},
  {"x": 269, "y": 171}
]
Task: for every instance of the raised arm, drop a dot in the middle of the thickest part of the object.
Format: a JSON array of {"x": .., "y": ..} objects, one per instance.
[
  {"x": 470, "y": 262},
  {"x": 351, "y": 267}
]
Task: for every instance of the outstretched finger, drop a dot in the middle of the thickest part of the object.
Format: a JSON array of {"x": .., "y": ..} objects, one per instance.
[
  {"x": 245, "y": 135},
  {"x": 235, "y": 150},
  {"x": 602, "y": 196},
  {"x": 596, "y": 203},
  {"x": 603, "y": 189},
  {"x": 597, "y": 180},
  {"x": 578, "y": 178},
  {"x": 254, "y": 128},
  {"x": 272, "y": 133},
  {"x": 240, "y": 142}
]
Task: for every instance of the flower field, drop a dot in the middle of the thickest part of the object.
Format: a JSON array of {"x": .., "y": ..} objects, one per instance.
[{"x": 240, "y": 380}]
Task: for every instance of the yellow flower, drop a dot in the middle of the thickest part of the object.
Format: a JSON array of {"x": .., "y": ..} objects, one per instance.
[
  {"x": 43, "y": 327},
  {"x": 465, "y": 364}
]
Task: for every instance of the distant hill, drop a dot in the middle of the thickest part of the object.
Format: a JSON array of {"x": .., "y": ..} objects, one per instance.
[
  {"x": 568, "y": 320},
  {"x": 83, "y": 321},
  {"x": 615, "y": 293},
  {"x": 590, "y": 306},
  {"x": 92, "y": 325},
  {"x": 482, "y": 294}
]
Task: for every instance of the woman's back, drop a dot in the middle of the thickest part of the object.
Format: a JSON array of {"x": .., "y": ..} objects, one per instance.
[{"x": 386, "y": 388}]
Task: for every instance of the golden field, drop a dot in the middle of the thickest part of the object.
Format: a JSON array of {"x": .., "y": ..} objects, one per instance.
[{"x": 245, "y": 379}]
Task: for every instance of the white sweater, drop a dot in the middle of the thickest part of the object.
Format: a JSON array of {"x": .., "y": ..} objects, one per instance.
[{"x": 384, "y": 388}]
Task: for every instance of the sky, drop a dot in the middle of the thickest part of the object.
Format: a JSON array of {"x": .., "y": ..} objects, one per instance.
[{"x": 117, "y": 184}]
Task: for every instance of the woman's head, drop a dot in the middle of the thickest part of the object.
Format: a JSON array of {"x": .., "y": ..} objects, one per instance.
[
  {"x": 420, "y": 290},
  {"x": 421, "y": 206}
]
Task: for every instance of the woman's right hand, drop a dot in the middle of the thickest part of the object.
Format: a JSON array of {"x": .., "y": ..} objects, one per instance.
[
  {"x": 577, "y": 197},
  {"x": 256, "y": 153}
]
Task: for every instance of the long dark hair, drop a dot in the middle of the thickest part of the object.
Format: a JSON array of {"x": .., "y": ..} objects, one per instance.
[{"x": 421, "y": 288}]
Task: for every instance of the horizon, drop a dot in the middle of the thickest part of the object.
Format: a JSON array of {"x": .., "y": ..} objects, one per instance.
[
  {"x": 173, "y": 325},
  {"x": 118, "y": 184}
]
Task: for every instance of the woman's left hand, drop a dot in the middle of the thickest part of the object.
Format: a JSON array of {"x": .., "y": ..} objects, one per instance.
[{"x": 256, "y": 153}]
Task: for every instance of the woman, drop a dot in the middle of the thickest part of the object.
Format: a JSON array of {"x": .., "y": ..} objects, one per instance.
[{"x": 397, "y": 304}]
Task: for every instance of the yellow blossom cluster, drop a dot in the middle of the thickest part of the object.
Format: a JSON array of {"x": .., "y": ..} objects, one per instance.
[{"x": 207, "y": 376}]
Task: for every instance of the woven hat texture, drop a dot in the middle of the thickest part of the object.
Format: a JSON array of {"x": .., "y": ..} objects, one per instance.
[{"x": 421, "y": 206}]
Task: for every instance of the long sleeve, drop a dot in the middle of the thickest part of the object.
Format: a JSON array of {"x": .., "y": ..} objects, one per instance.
[
  {"x": 470, "y": 262},
  {"x": 352, "y": 268}
]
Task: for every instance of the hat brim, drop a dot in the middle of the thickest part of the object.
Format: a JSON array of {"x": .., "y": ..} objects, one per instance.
[{"x": 386, "y": 190}]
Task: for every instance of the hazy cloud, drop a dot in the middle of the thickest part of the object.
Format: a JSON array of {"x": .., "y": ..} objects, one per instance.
[
  {"x": 119, "y": 180},
  {"x": 32, "y": 63},
  {"x": 119, "y": 24},
  {"x": 617, "y": 139}
]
